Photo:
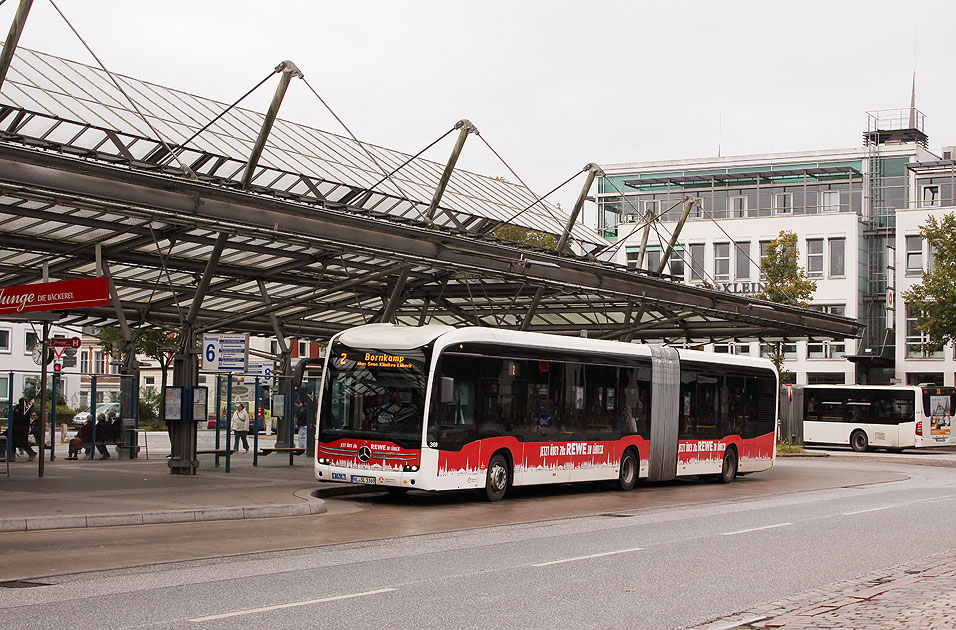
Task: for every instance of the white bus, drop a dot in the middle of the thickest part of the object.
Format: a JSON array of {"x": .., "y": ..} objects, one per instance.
[
  {"x": 437, "y": 408},
  {"x": 893, "y": 417}
]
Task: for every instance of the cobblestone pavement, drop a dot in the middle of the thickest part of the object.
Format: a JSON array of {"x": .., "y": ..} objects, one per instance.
[{"x": 919, "y": 595}]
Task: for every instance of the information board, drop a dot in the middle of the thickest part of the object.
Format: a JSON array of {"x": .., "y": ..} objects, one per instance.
[
  {"x": 225, "y": 353},
  {"x": 262, "y": 369},
  {"x": 173, "y": 403}
]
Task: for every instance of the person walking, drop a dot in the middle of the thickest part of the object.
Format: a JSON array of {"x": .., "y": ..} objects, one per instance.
[
  {"x": 240, "y": 424},
  {"x": 20, "y": 425}
]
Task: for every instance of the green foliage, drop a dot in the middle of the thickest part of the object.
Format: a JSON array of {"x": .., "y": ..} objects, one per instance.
[
  {"x": 64, "y": 415},
  {"x": 787, "y": 281},
  {"x": 519, "y": 234},
  {"x": 789, "y": 449},
  {"x": 934, "y": 299},
  {"x": 148, "y": 411},
  {"x": 31, "y": 389}
]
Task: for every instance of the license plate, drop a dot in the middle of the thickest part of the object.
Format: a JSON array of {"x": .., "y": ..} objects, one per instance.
[{"x": 366, "y": 480}]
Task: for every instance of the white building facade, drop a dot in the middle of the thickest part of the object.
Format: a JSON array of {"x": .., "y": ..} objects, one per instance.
[{"x": 854, "y": 212}]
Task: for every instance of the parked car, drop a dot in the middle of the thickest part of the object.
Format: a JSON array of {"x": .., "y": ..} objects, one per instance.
[{"x": 103, "y": 408}]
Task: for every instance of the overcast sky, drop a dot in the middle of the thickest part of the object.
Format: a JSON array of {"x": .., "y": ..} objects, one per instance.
[{"x": 551, "y": 85}]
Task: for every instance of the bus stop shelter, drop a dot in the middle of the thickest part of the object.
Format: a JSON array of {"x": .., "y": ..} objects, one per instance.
[{"x": 209, "y": 218}]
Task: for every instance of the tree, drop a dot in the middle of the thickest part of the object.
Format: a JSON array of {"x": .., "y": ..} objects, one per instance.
[
  {"x": 787, "y": 283},
  {"x": 155, "y": 344},
  {"x": 933, "y": 301},
  {"x": 520, "y": 234}
]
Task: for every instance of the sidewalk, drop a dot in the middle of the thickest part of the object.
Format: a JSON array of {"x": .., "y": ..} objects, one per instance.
[
  {"x": 102, "y": 493},
  {"x": 919, "y": 594}
]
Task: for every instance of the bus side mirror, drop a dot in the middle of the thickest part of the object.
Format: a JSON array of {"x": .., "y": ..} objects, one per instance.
[{"x": 447, "y": 390}]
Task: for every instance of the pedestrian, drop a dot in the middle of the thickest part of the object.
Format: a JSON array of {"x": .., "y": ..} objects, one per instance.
[
  {"x": 20, "y": 425},
  {"x": 302, "y": 422},
  {"x": 103, "y": 430},
  {"x": 83, "y": 436},
  {"x": 240, "y": 424}
]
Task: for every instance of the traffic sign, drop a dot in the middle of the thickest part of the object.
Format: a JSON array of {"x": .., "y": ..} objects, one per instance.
[
  {"x": 65, "y": 342},
  {"x": 225, "y": 353}
]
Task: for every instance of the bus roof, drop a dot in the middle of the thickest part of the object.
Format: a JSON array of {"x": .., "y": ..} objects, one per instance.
[{"x": 395, "y": 337}]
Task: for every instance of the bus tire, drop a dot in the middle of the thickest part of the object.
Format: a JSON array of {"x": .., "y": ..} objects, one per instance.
[
  {"x": 498, "y": 479},
  {"x": 627, "y": 478},
  {"x": 728, "y": 471},
  {"x": 859, "y": 442}
]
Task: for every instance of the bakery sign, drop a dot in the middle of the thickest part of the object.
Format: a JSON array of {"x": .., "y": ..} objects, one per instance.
[{"x": 55, "y": 296}]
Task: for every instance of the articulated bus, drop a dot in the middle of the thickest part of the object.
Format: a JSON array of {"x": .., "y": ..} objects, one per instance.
[
  {"x": 893, "y": 417},
  {"x": 438, "y": 408}
]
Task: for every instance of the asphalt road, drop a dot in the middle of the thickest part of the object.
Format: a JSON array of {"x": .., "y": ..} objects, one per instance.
[{"x": 663, "y": 567}]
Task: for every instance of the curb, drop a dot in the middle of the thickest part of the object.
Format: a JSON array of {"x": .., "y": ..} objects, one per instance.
[
  {"x": 313, "y": 505},
  {"x": 809, "y": 454}
]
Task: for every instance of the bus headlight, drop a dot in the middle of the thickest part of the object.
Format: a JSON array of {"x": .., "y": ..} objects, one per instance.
[
  {"x": 324, "y": 461},
  {"x": 409, "y": 468}
]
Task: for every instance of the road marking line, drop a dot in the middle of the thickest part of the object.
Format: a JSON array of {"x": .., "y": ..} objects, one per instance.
[
  {"x": 755, "y": 529},
  {"x": 596, "y": 555},
  {"x": 941, "y": 500},
  {"x": 253, "y": 611},
  {"x": 876, "y": 509}
]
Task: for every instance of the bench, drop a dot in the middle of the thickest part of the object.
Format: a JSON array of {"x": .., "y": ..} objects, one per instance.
[
  {"x": 215, "y": 451},
  {"x": 87, "y": 446},
  {"x": 282, "y": 449}
]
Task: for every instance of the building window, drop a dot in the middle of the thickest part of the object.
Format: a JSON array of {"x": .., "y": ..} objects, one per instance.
[
  {"x": 826, "y": 378},
  {"x": 4, "y": 388},
  {"x": 99, "y": 362},
  {"x": 30, "y": 340},
  {"x": 783, "y": 203},
  {"x": 652, "y": 257},
  {"x": 150, "y": 380},
  {"x": 789, "y": 350},
  {"x": 738, "y": 207},
  {"x": 837, "y": 257},
  {"x": 915, "y": 338},
  {"x": 917, "y": 378},
  {"x": 764, "y": 250},
  {"x": 697, "y": 262},
  {"x": 677, "y": 262},
  {"x": 914, "y": 255},
  {"x": 84, "y": 361},
  {"x": 830, "y": 201},
  {"x": 929, "y": 195},
  {"x": 722, "y": 261},
  {"x": 303, "y": 348},
  {"x": 274, "y": 347},
  {"x": 743, "y": 260},
  {"x": 732, "y": 348},
  {"x": 815, "y": 257},
  {"x": 930, "y": 256},
  {"x": 826, "y": 349},
  {"x": 4, "y": 341},
  {"x": 651, "y": 209}
]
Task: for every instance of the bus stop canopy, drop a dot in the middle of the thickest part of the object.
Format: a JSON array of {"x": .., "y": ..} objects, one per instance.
[{"x": 318, "y": 241}]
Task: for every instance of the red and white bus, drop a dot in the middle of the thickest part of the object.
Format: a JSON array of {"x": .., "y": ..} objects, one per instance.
[{"x": 439, "y": 408}]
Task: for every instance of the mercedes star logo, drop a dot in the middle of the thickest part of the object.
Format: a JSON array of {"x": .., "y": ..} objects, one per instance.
[{"x": 364, "y": 454}]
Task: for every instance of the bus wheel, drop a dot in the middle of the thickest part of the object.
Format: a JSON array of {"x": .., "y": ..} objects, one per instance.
[
  {"x": 729, "y": 470},
  {"x": 496, "y": 484},
  {"x": 859, "y": 441},
  {"x": 628, "y": 477}
]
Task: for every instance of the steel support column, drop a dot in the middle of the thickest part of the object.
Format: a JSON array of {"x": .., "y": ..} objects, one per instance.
[
  {"x": 593, "y": 171},
  {"x": 13, "y": 37},
  {"x": 288, "y": 70},
  {"x": 183, "y": 459},
  {"x": 465, "y": 128},
  {"x": 285, "y": 360},
  {"x": 688, "y": 204},
  {"x": 388, "y": 315}
]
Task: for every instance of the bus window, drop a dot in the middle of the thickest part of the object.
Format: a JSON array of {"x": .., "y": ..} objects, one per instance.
[
  {"x": 857, "y": 409},
  {"x": 887, "y": 407},
  {"x": 635, "y": 383},
  {"x": 453, "y": 423}
]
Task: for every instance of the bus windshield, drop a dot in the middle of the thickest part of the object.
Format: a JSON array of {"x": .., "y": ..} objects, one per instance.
[{"x": 374, "y": 395}]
